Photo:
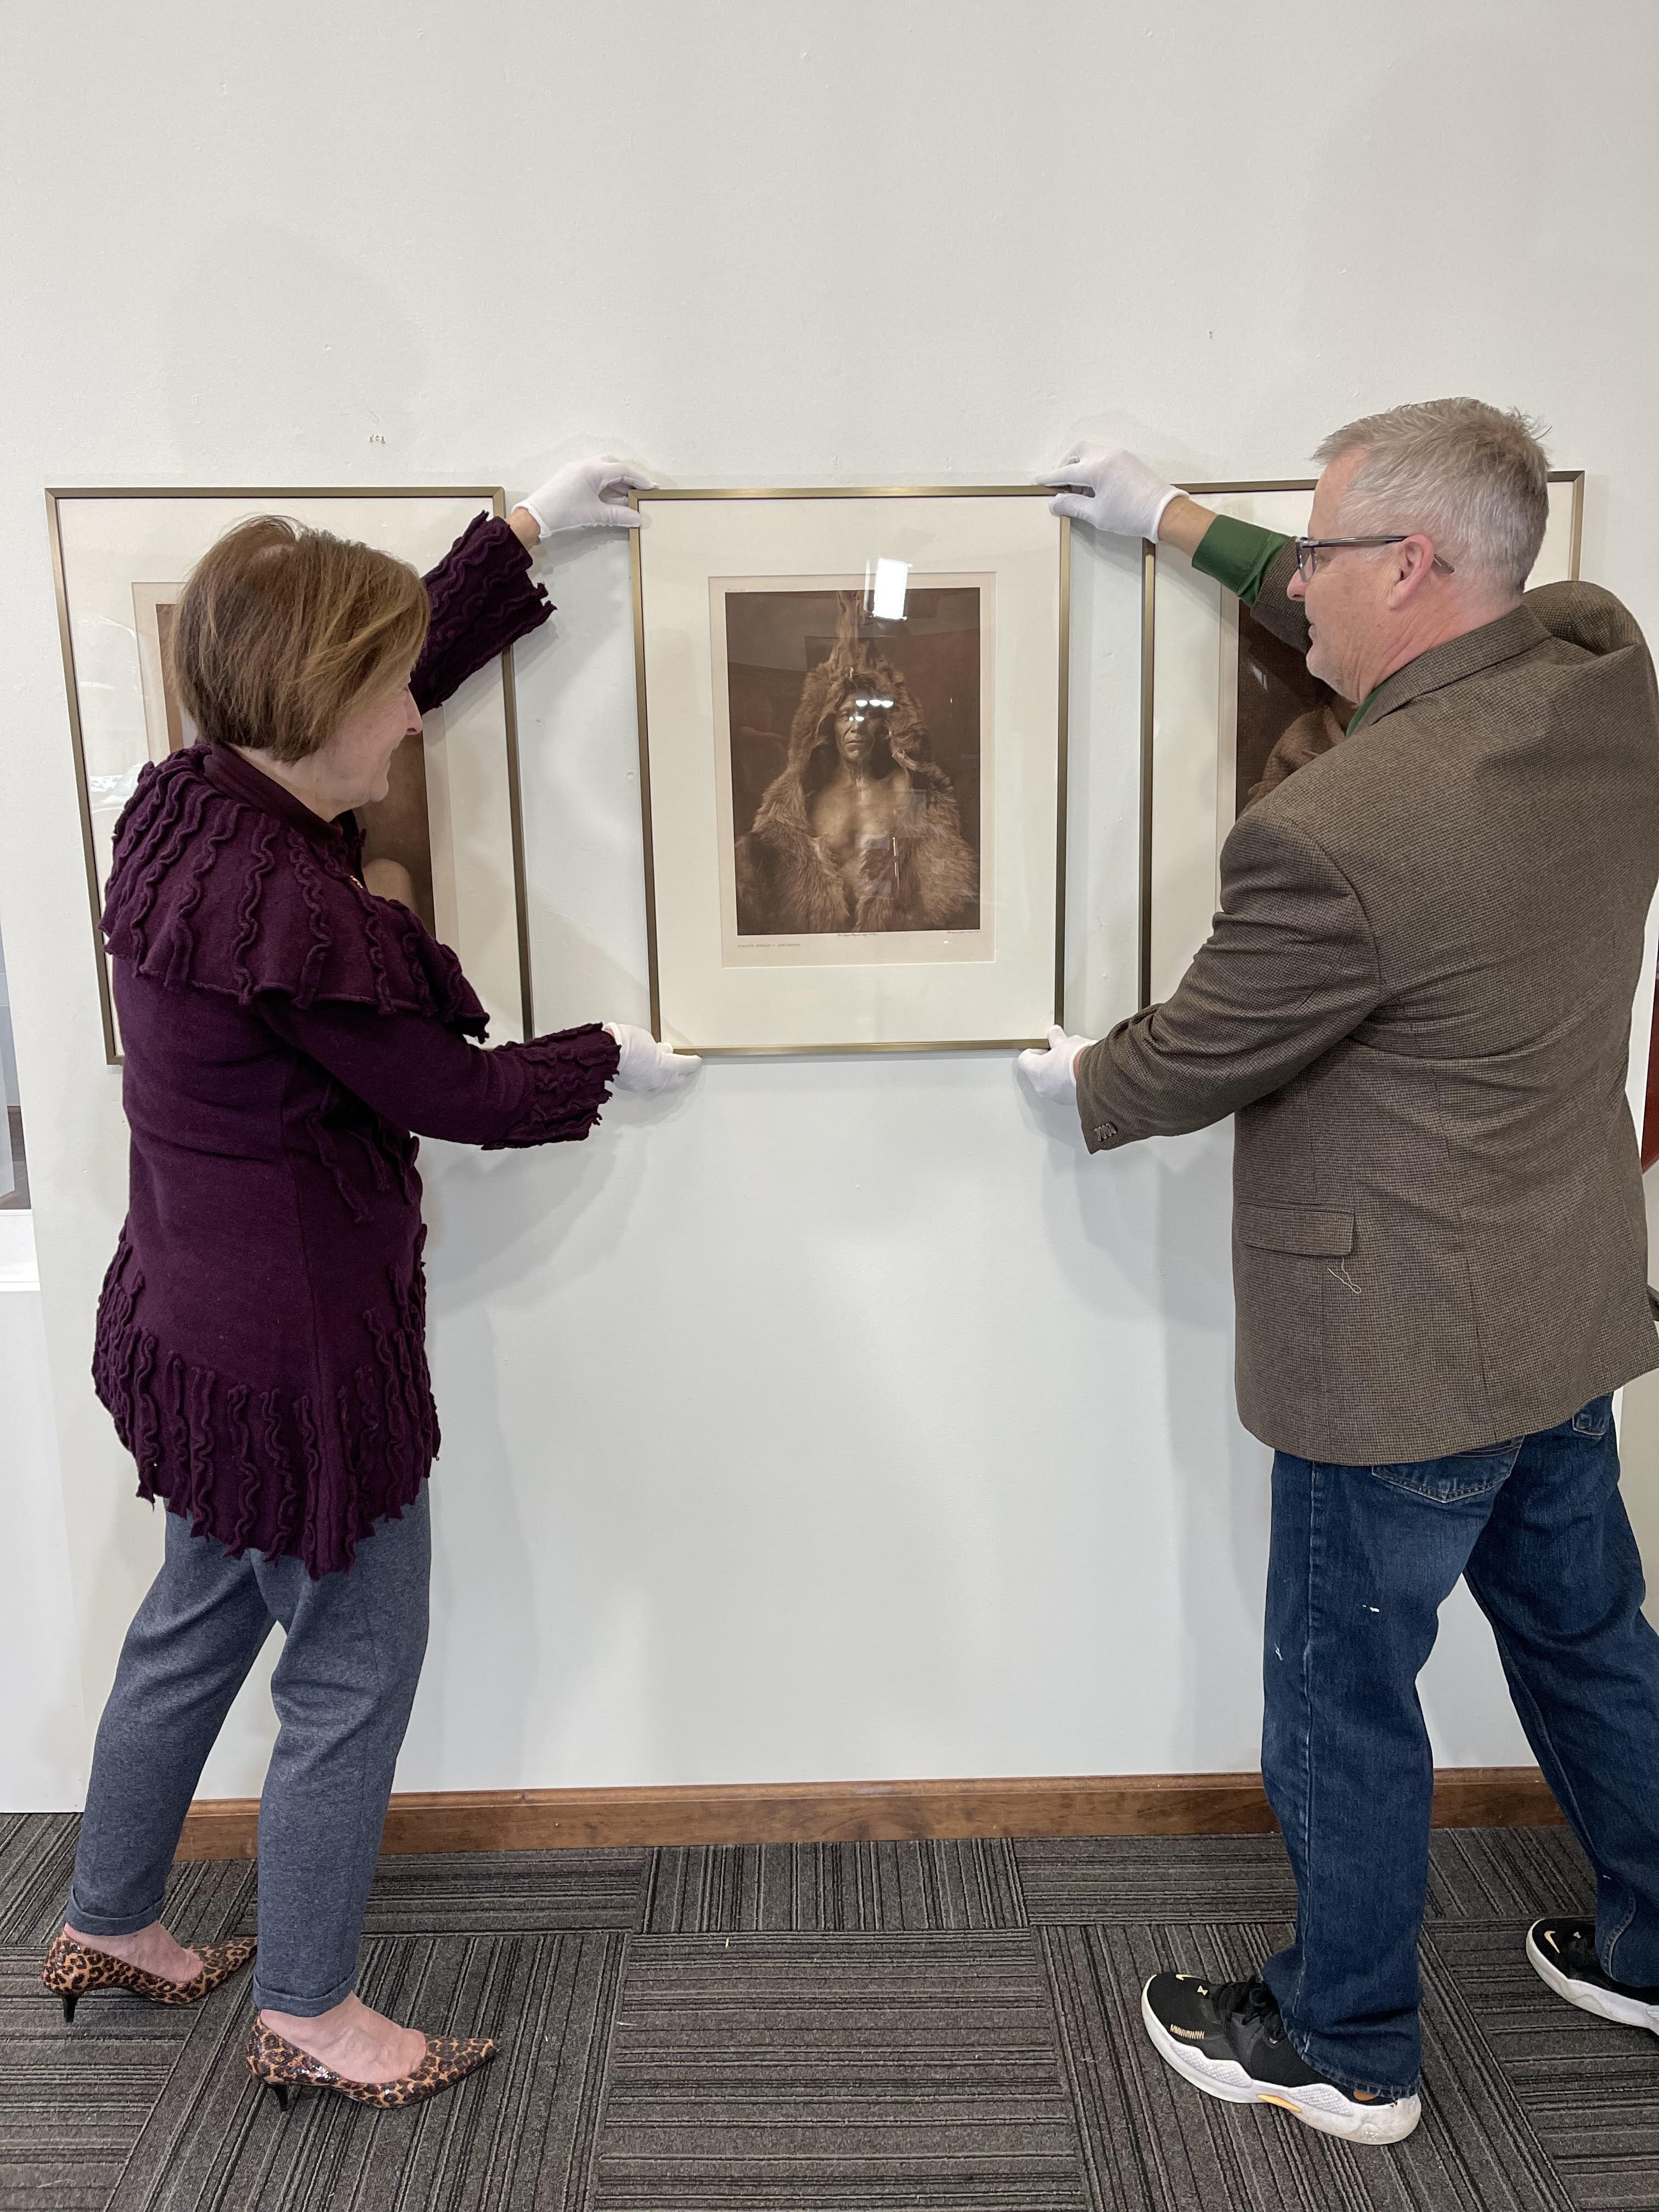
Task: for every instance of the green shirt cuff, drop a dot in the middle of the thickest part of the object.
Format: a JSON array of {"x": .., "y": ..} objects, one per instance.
[{"x": 1238, "y": 555}]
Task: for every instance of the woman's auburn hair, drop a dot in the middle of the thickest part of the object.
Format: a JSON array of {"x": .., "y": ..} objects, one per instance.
[{"x": 280, "y": 630}]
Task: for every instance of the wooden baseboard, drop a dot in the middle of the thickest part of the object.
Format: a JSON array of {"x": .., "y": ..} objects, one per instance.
[{"x": 855, "y": 1812}]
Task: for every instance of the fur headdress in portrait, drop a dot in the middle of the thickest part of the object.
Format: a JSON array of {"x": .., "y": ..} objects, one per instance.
[{"x": 785, "y": 879}]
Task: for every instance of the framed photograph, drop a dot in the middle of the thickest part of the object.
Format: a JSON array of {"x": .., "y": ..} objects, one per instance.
[
  {"x": 852, "y": 753},
  {"x": 1227, "y": 709},
  {"x": 447, "y": 838}
]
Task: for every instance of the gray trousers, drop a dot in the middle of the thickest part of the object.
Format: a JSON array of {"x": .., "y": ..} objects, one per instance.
[{"x": 343, "y": 1690}]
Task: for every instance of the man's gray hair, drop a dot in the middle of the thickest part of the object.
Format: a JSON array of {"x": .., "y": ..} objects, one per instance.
[{"x": 1472, "y": 478}]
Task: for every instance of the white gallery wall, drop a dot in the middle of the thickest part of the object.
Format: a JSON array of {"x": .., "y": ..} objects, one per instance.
[{"x": 841, "y": 1418}]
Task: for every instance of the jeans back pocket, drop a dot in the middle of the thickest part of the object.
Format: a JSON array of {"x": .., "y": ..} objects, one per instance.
[
  {"x": 1594, "y": 1420},
  {"x": 1459, "y": 1475}
]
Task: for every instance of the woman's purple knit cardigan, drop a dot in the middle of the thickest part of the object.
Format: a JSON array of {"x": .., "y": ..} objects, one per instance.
[{"x": 261, "y": 1334}]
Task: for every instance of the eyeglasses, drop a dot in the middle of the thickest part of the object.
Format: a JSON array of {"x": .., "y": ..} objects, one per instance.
[{"x": 1307, "y": 550}]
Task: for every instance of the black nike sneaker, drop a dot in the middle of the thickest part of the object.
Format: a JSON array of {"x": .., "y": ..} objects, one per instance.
[
  {"x": 1228, "y": 2039},
  {"x": 1563, "y": 1952}
]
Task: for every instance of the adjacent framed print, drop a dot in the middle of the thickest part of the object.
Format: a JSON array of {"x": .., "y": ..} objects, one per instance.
[
  {"x": 1226, "y": 707},
  {"x": 447, "y": 839},
  {"x": 853, "y": 767}
]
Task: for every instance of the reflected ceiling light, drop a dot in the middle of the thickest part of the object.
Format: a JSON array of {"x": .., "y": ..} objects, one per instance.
[{"x": 887, "y": 595}]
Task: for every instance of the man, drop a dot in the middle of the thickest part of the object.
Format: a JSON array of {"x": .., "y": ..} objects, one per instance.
[
  {"x": 860, "y": 831},
  {"x": 1416, "y": 1001}
]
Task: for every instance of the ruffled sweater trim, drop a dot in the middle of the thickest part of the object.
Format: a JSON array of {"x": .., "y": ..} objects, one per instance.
[
  {"x": 209, "y": 892},
  {"x": 570, "y": 1068},
  {"x": 248, "y": 1466},
  {"x": 489, "y": 600}
]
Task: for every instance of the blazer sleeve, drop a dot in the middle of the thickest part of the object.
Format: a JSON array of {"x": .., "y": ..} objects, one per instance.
[
  {"x": 1289, "y": 969},
  {"x": 482, "y": 600},
  {"x": 422, "y": 1076}
]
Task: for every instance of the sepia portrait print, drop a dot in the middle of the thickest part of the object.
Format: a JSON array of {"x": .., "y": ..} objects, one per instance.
[
  {"x": 1285, "y": 716},
  {"x": 857, "y": 758},
  {"x": 397, "y": 829}
]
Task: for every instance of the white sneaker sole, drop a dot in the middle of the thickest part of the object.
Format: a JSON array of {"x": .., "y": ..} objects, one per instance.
[
  {"x": 1319, "y": 2105},
  {"x": 1606, "y": 2004}
]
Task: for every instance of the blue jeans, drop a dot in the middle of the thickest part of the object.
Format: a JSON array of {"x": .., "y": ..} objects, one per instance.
[
  {"x": 1362, "y": 1560},
  {"x": 343, "y": 1690}
]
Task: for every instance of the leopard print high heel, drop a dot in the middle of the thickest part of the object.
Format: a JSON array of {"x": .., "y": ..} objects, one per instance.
[
  {"x": 72, "y": 1969},
  {"x": 282, "y": 2066}
]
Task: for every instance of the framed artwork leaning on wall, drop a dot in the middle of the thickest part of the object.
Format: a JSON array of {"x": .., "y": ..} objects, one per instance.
[
  {"x": 852, "y": 749},
  {"x": 1227, "y": 709},
  {"x": 447, "y": 839}
]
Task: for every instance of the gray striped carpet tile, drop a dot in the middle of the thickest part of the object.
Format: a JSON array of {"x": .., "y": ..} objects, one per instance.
[
  {"x": 1484, "y": 1873},
  {"x": 1153, "y": 2144},
  {"x": 517, "y": 2137},
  {"x": 207, "y": 1899},
  {"x": 868, "y": 1888},
  {"x": 74, "y": 2101},
  {"x": 1081, "y": 1879},
  {"x": 828, "y": 2026},
  {"x": 508, "y": 1892},
  {"x": 1507, "y": 1874},
  {"x": 1471, "y": 2101},
  {"x": 37, "y": 1857},
  {"x": 1590, "y": 2090},
  {"x": 845, "y": 2070}
]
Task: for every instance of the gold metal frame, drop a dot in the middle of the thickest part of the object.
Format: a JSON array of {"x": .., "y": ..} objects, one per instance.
[
  {"x": 274, "y": 494},
  {"x": 874, "y": 491},
  {"x": 1148, "y": 639}
]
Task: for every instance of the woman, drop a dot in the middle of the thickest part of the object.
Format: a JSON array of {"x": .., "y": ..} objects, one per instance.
[{"x": 261, "y": 1333}]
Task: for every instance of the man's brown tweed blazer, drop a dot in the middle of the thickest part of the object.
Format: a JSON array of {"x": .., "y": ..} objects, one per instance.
[{"x": 1416, "y": 1000}]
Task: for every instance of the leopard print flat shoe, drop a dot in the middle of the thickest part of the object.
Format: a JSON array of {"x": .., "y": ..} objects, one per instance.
[
  {"x": 72, "y": 1969},
  {"x": 282, "y": 2067}
]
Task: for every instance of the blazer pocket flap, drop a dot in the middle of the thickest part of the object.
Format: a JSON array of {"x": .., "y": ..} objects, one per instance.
[{"x": 1318, "y": 1231}]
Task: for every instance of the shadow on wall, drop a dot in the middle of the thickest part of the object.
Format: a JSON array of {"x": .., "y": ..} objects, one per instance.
[
  {"x": 1225, "y": 1499},
  {"x": 517, "y": 1235},
  {"x": 1157, "y": 1219},
  {"x": 42, "y": 1723},
  {"x": 495, "y": 1221}
]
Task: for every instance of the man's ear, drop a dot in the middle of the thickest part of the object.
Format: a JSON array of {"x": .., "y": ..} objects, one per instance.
[{"x": 1413, "y": 564}]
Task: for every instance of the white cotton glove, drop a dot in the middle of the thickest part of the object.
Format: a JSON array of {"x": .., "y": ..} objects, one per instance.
[
  {"x": 1053, "y": 1074},
  {"x": 587, "y": 496},
  {"x": 644, "y": 1065},
  {"x": 1116, "y": 491}
]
